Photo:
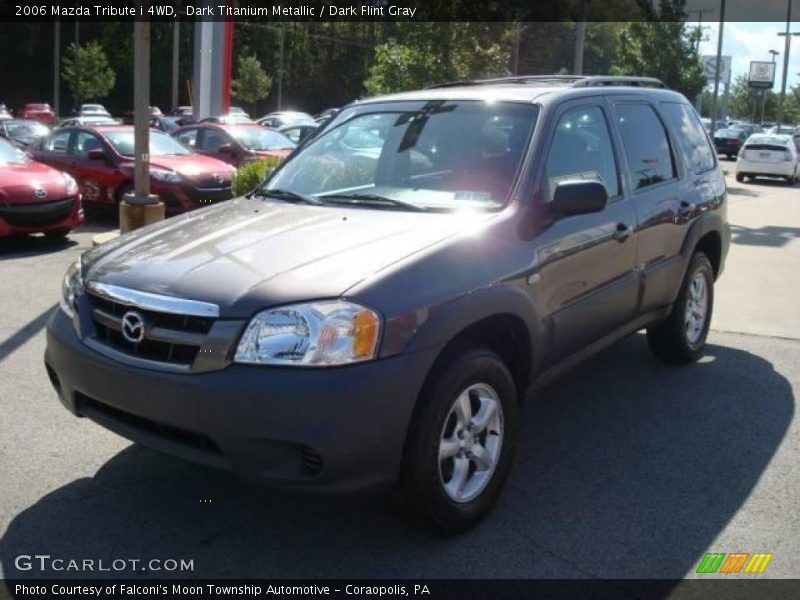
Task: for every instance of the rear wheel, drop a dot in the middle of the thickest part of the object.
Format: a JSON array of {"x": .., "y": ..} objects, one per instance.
[
  {"x": 682, "y": 336},
  {"x": 460, "y": 443}
]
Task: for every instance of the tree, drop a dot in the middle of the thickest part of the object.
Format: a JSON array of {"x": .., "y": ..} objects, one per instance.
[
  {"x": 422, "y": 54},
  {"x": 742, "y": 99},
  {"x": 87, "y": 72},
  {"x": 252, "y": 84},
  {"x": 662, "y": 46}
]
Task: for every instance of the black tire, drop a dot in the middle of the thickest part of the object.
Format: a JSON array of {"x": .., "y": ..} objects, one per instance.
[
  {"x": 425, "y": 502},
  {"x": 669, "y": 340},
  {"x": 739, "y": 177},
  {"x": 57, "y": 234}
]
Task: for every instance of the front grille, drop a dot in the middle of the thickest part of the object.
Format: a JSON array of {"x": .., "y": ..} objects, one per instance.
[
  {"x": 168, "y": 338},
  {"x": 36, "y": 215},
  {"x": 209, "y": 195}
]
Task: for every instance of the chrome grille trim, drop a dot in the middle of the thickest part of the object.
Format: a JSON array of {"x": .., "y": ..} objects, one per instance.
[
  {"x": 156, "y": 334},
  {"x": 154, "y": 302}
]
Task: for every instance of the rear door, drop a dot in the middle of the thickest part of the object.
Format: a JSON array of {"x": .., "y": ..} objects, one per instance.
[
  {"x": 673, "y": 173},
  {"x": 585, "y": 275}
]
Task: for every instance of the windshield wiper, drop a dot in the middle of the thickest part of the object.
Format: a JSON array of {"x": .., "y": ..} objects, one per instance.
[
  {"x": 286, "y": 196},
  {"x": 374, "y": 199}
]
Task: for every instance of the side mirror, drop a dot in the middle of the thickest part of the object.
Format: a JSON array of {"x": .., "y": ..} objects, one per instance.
[
  {"x": 579, "y": 197},
  {"x": 226, "y": 149},
  {"x": 96, "y": 154}
]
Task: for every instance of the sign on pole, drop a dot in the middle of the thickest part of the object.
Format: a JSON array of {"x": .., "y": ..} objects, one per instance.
[
  {"x": 762, "y": 74},
  {"x": 710, "y": 68}
]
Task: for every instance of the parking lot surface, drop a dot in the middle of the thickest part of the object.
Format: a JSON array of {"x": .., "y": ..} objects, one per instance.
[{"x": 627, "y": 468}]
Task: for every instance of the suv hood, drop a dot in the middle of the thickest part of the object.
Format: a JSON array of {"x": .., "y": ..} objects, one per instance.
[{"x": 248, "y": 254}]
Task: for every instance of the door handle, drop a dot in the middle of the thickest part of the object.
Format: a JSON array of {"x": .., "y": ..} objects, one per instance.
[{"x": 622, "y": 232}]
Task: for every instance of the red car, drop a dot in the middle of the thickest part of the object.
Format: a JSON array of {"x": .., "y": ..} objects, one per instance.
[
  {"x": 35, "y": 198},
  {"x": 100, "y": 158},
  {"x": 38, "y": 112},
  {"x": 235, "y": 144}
]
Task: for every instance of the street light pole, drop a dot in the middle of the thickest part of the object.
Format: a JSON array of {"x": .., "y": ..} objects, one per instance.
[
  {"x": 716, "y": 69},
  {"x": 138, "y": 208},
  {"x": 176, "y": 35},
  {"x": 774, "y": 53},
  {"x": 788, "y": 35}
]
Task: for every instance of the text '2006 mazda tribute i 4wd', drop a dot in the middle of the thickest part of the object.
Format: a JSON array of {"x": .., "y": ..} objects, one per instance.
[{"x": 377, "y": 309}]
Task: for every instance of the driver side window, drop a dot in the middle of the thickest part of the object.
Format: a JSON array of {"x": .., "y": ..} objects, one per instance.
[{"x": 581, "y": 149}]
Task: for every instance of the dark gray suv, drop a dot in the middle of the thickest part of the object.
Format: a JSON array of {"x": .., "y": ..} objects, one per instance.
[{"x": 376, "y": 311}]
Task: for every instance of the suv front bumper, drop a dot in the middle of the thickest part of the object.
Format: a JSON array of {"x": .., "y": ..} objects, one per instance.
[{"x": 328, "y": 430}]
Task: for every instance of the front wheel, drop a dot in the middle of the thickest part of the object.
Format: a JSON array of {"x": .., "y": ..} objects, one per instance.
[
  {"x": 682, "y": 336},
  {"x": 460, "y": 443},
  {"x": 739, "y": 177}
]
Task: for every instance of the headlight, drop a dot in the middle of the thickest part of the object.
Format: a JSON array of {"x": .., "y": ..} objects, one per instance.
[
  {"x": 71, "y": 288},
  {"x": 72, "y": 185},
  {"x": 313, "y": 334},
  {"x": 168, "y": 176}
]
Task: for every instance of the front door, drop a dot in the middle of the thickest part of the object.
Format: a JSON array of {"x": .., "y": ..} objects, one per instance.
[{"x": 585, "y": 283}]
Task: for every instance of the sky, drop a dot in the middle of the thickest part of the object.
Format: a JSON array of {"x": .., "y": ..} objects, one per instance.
[{"x": 746, "y": 41}]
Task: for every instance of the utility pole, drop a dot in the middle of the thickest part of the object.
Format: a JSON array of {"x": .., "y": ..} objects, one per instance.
[
  {"x": 517, "y": 35},
  {"x": 176, "y": 36},
  {"x": 716, "y": 69},
  {"x": 788, "y": 35},
  {"x": 580, "y": 36},
  {"x": 280, "y": 66},
  {"x": 56, "y": 67}
]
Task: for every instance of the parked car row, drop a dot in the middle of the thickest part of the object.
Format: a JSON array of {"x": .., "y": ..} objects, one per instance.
[{"x": 91, "y": 153}]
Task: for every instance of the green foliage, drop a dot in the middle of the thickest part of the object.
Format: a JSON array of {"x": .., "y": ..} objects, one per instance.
[
  {"x": 662, "y": 47},
  {"x": 87, "y": 72},
  {"x": 252, "y": 84},
  {"x": 251, "y": 174},
  {"x": 426, "y": 53}
]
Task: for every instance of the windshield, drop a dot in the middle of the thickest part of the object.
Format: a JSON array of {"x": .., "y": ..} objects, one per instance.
[
  {"x": 261, "y": 139},
  {"x": 10, "y": 154},
  {"x": 160, "y": 144},
  {"x": 439, "y": 154}
]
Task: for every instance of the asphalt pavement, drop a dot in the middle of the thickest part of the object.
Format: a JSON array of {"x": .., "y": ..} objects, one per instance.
[{"x": 626, "y": 468}]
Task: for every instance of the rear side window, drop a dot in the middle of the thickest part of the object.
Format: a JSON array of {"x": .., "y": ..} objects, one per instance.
[
  {"x": 581, "y": 149},
  {"x": 646, "y": 145},
  {"x": 691, "y": 136}
]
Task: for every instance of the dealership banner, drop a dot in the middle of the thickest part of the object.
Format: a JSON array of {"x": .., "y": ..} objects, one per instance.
[
  {"x": 374, "y": 10},
  {"x": 435, "y": 589}
]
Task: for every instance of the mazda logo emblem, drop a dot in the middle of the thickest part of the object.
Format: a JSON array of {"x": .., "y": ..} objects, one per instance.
[
  {"x": 40, "y": 193},
  {"x": 218, "y": 178},
  {"x": 133, "y": 327}
]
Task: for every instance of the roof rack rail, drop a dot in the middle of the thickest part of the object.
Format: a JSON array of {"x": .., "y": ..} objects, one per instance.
[{"x": 569, "y": 80}]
